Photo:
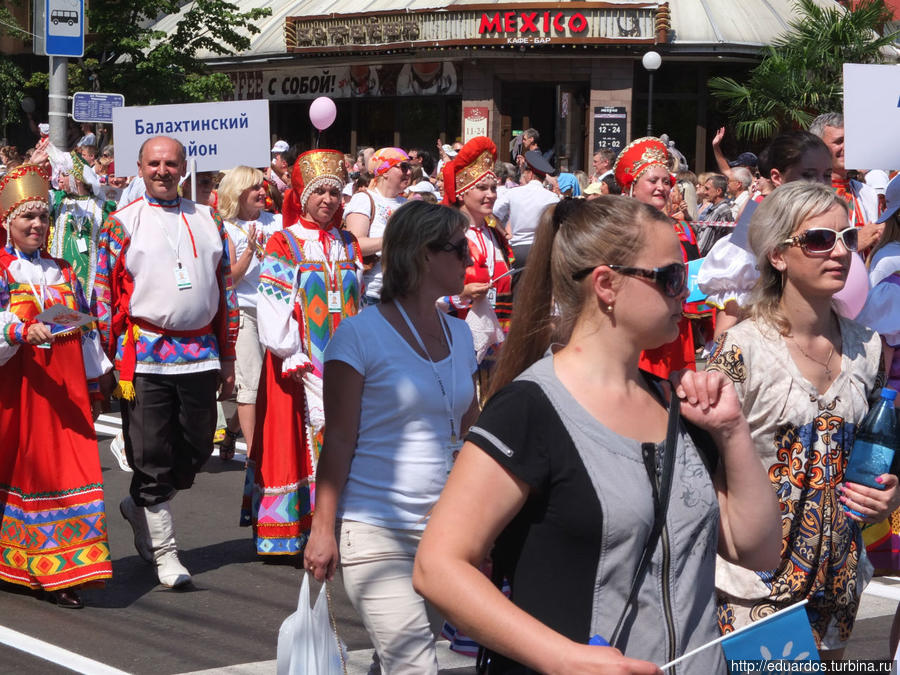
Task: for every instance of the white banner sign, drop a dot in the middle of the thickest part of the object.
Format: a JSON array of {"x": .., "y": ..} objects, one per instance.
[
  {"x": 871, "y": 116},
  {"x": 218, "y": 135},
  {"x": 288, "y": 84}
]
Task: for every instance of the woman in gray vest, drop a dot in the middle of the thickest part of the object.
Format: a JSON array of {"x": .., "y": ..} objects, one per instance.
[{"x": 557, "y": 468}]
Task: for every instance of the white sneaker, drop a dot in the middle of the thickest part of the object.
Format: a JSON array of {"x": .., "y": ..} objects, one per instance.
[{"x": 117, "y": 448}]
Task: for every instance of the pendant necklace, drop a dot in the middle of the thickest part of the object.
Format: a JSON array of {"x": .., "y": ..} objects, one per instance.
[{"x": 814, "y": 360}]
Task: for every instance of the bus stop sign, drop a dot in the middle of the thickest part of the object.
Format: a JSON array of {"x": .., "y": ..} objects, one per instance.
[{"x": 64, "y": 28}]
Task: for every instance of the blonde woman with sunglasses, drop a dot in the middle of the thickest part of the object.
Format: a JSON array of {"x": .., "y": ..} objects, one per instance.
[{"x": 804, "y": 376}]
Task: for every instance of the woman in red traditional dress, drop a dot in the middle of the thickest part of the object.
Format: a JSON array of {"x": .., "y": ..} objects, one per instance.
[
  {"x": 642, "y": 170},
  {"x": 309, "y": 282},
  {"x": 486, "y": 301},
  {"x": 52, "y": 516}
]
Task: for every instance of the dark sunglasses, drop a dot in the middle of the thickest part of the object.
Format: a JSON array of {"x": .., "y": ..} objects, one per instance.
[
  {"x": 460, "y": 248},
  {"x": 824, "y": 239},
  {"x": 404, "y": 167},
  {"x": 671, "y": 279}
]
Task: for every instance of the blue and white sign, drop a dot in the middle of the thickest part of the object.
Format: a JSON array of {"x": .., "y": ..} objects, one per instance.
[
  {"x": 218, "y": 135},
  {"x": 64, "y": 28},
  {"x": 92, "y": 106}
]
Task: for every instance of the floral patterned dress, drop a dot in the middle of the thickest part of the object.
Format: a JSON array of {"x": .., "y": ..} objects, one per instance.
[{"x": 803, "y": 439}]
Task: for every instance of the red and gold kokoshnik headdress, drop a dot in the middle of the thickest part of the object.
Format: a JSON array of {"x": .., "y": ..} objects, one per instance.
[
  {"x": 472, "y": 163},
  {"x": 637, "y": 157},
  {"x": 316, "y": 168},
  {"x": 23, "y": 184},
  {"x": 311, "y": 170}
]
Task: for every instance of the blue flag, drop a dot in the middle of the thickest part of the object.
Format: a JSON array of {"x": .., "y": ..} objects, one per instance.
[
  {"x": 696, "y": 295},
  {"x": 784, "y": 635}
]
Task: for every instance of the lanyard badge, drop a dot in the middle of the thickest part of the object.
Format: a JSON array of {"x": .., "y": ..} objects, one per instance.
[{"x": 182, "y": 278}]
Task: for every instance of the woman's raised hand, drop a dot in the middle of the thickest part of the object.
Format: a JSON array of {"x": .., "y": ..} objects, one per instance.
[
  {"x": 474, "y": 290},
  {"x": 708, "y": 399}
]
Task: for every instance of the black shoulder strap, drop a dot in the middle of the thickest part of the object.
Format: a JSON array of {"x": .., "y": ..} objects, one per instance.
[{"x": 706, "y": 446}]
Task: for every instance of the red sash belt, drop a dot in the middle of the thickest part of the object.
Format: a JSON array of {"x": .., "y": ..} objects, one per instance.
[{"x": 128, "y": 362}]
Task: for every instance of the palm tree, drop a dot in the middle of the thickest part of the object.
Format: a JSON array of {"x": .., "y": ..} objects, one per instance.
[{"x": 800, "y": 75}]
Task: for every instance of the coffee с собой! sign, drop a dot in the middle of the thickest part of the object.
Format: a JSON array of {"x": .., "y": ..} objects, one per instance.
[{"x": 474, "y": 26}]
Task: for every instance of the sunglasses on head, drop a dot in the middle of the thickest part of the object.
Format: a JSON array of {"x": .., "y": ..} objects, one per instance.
[
  {"x": 460, "y": 248},
  {"x": 671, "y": 279},
  {"x": 824, "y": 239}
]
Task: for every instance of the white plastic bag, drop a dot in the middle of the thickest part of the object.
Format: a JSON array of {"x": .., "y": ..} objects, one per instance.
[{"x": 307, "y": 644}]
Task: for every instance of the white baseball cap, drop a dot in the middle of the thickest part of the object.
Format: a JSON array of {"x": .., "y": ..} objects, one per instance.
[
  {"x": 891, "y": 199},
  {"x": 422, "y": 186},
  {"x": 877, "y": 179},
  {"x": 280, "y": 146},
  {"x": 448, "y": 150}
]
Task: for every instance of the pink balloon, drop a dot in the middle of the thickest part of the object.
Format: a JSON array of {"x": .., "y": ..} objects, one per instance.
[
  {"x": 850, "y": 299},
  {"x": 322, "y": 113}
]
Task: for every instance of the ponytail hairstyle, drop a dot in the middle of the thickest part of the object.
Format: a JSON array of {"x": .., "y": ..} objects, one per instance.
[{"x": 573, "y": 235}]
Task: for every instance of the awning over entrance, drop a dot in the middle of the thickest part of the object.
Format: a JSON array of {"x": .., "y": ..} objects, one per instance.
[{"x": 331, "y": 27}]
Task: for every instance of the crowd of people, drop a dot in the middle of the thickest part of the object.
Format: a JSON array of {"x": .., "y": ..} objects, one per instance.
[{"x": 459, "y": 376}]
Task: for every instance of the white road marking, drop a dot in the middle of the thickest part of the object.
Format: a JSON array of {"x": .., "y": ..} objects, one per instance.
[
  {"x": 53, "y": 654},
  {"x": 110, "y": 425},
  {"x": 358, "y": 662}
]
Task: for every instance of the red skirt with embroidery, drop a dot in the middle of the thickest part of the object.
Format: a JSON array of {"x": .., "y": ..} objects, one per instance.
[
  {"x": 52, "y": 516},
  {"x": 277, "y": 497}
]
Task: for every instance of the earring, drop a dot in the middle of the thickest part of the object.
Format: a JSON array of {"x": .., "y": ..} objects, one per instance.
[{"x": 609, "y": 309}]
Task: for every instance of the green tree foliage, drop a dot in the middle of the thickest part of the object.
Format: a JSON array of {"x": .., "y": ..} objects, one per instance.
[
  {"x": 800, "y": 75},
  {"x": 12, "y": 79},
  {"x": 124, "y": 55}
]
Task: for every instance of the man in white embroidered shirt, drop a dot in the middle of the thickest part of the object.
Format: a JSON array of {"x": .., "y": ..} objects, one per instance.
[{"x": 168, "y": 316}]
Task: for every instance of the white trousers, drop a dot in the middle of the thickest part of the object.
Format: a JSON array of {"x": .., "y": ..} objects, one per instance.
[{"x": 377, "y": 567}]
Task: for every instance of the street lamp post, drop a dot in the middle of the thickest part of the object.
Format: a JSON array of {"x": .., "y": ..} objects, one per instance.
[{"x": 651, "y": 62}]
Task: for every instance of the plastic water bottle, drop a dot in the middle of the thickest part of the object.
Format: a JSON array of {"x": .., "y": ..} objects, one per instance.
[{"x": 875, "y": 443}]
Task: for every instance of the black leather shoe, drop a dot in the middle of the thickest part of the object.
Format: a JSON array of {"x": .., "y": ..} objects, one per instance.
[{"x": 67, "y": 598}]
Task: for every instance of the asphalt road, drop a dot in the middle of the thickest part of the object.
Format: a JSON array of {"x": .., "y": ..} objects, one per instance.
[
  {"x": 228, "y": 620},
  {"x": 229, "y": 617}
]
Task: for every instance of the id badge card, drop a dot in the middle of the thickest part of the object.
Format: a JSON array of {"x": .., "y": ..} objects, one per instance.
[
  {"x": 334, "y": 301},
  {"x": 454, "y": 445},
  {"x": 182, "y": 279},
  {"x": 81, "y": 245},
  {"x": 492, "y": 297}
]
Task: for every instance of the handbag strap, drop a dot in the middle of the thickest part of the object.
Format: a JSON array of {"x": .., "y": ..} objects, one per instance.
[
  {"x": 661, "y": 484},
  {"x": 334, "y": 629}
]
